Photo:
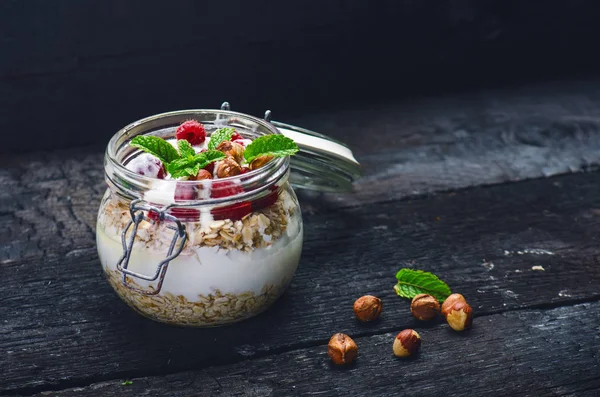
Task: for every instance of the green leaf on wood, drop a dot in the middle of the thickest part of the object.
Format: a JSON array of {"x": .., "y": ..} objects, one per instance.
[{"x": 414, "y": 282}]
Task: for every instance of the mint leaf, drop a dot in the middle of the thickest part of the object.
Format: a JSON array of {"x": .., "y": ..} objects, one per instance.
[
  {"x": 183, "y": 167},
  {"x": 185, "y": 148},
  {"x": 155, "y": 146},
  {"x": 220, "y": 135},
  {"x": 190, "y": 166},
  {"x": 127, "y": 383},
  {"x": 270, "y": 145},
  {"x": 415, "y": 282}
]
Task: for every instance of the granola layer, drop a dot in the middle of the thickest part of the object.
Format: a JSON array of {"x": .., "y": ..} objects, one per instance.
[
  {"x": 213, "y": 309},
  {"x": 258, "y": 229}
]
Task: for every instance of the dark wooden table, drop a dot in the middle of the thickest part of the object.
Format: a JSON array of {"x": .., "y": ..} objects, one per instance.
[{"x": 481, "y": 189}]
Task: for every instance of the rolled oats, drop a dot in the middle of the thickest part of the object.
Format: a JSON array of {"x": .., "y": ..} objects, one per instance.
[
  {"x": 208, "y": 310},
  {"x": 258, "y": 229}
]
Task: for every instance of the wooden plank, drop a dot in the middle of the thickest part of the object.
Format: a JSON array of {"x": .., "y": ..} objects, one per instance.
[
  {"x": 525, "y": 353},
  {"x": 61, "y": 323},
  {"x": 441, "y": 143},
  {"x": 431, "y": 145}
]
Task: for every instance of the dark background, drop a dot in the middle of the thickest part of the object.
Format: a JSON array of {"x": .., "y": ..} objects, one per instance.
[{"x": 74, "y": 72}]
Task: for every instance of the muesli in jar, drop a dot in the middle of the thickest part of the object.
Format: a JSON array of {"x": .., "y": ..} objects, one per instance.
[{"x": 199, "y": 225}]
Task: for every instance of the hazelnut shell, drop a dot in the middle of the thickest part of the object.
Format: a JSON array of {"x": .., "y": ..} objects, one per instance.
[
  {"x": 450, "y": 301},
  {"x": 425, "y": 307},
  {"x": 342, "y": 349},
  {"x": 232, "y": 149},
  {"x": 460, "y": 316},
  {"x": 202, "y": 174},
  {"x": 407, "y": 343},
  {"x": 228, "y": 167},
  {"x": 367, "y": 308},
  {"x": 259, "y": 162}
]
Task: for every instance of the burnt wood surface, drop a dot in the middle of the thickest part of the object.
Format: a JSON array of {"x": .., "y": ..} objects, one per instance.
[
  {"x": 421, "y": 203},
  {"x": 523, "y": 350}
]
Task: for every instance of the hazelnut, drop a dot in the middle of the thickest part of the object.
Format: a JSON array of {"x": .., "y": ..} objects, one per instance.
[
  {"x": 202, "y": 174},
  {"x": 342, "y": 349},
  {"x": 367, "y": 308},
  {"x": 450, "y": 301},
  {"x": 260, "y": 161},
  {"x": 425, "y": 307},
  {"x": 228, "y": 167},
  {"x": 407, "y": 343},
  {"x": 460, "y": 316},
  {"x": 232, "y": 149}
]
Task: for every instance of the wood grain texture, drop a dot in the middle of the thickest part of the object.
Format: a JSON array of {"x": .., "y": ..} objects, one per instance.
[
  {"x": 430, "y": 145},
  {"x": 438, "y": 143},
  {"x": 524, "y": 353},
  {"x": 62, "y": 326},
  {"x": 483, "y": 242}
]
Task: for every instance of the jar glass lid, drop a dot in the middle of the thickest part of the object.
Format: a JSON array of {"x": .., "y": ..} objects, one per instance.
[{"x": 322, "y": 163}]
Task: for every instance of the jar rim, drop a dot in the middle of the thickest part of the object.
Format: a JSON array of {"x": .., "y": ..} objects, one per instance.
[{"x": 133, "y": 184}]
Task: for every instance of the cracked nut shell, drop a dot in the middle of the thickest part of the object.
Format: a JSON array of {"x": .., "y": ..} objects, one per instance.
[
  {"x": 407, "y": 343},
  {"x": 450, "y": 301},
  {"x": 259, "y": 162},
  {"x": 342, "y": 349},
  {"x": 232, "y": 149},
  {"x": 460, "y": 316},
  {"x": 202, "y": 174},
  {"x": 367, "y": 308},
  {"x": 424, "y": 307},
  {"x": 228, "y": 167}
]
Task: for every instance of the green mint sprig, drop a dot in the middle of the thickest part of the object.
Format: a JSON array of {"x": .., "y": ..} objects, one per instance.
[
  {"x": 186, "y": 162},
  {"x": 190, "y": 166},
  {"x": 270, "y": 145},
  {"x": 220, "y": 135},
  {"x": 156, "y": 146},
  {"x": 179, "y": 164},
  {"x": 185, "y": 149},
  {"x": 414, "y": 282}
]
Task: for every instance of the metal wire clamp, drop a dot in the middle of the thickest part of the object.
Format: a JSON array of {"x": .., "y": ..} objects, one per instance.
[{"x": 136, "y": 209}]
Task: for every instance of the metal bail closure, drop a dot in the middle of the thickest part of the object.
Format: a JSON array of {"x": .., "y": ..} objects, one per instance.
[{"x": 137, "y": 208}]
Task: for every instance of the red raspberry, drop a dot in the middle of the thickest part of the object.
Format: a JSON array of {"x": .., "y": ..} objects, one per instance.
[
  {"x": 245, "y": 170},
  {"x": 225, "y": 189},
  {"x": 153, "y": 215},
  {"x": 184, "y": 192},
  {"x": 236, "y": 136},
  {"x": 192, "y": 131},
  {"x": 267, "y": 200},
  {"x": 161, "y": 172},
  {"x": 234, "y": 211}
]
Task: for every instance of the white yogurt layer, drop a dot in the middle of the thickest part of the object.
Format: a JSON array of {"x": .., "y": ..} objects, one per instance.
[
  {"x": 207, "y": 269},
  {"x": 204, "y": 270}
]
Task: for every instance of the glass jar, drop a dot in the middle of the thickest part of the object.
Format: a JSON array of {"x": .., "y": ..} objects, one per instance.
[{"x": 198, "y": 253}]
